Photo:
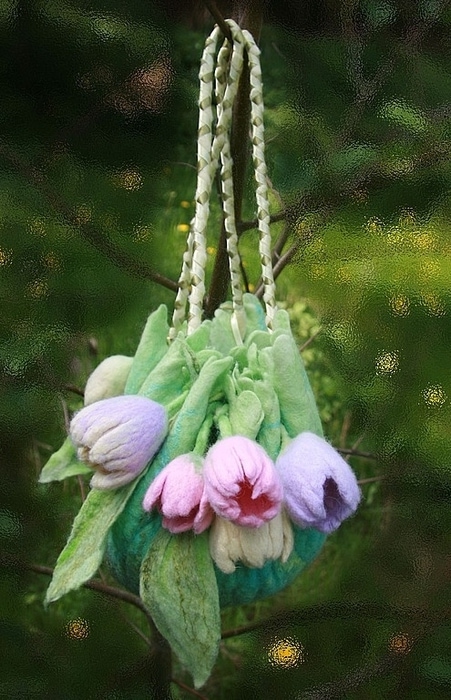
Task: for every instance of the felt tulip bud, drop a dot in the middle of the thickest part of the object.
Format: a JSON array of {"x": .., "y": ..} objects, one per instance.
[
  {"x": 230, "y": 543},
  {"x": 320, "y": 488},
  {"x": 118, "y": 437},
  {"x": 241, "y": 482},
  {"x": 178, "y": 493},
  {"x": 108, "y": 379}
]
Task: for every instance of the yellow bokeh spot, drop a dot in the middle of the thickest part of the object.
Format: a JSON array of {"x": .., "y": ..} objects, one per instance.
[
  {"x": 387, "y": 363},
  {"x": 38, "y": 289},
  {"x": 429, "y": 270},
  {"x": 400, "y": 643},
  {"x": 286, "y": 653},
  {"x": 344, "y": 274},
  {"x": 185, "y": 204},
  {"x": 211, "y": 250},
  {"x": 52, "y": 261},
  {"x": 251, "y": 287},
  {"x": 400, "y": 305},
  {"x": 434, "y": 395},
  {"x": 433, "y": 304},
  {"x": 142, "y": 234},
  {"x": 37, "y": 227},
  {"x": 183, "y": 228},
  {"x": 317, "y": 271},
  {"x": 374, "y": 225},
  {"x": 77, "y": 628},
  {"x": 5, "y": 256},
  {"x": 83, "y": 214},
  {"x": 425, "y": 241},
  {"x": 130, "y": 180}
]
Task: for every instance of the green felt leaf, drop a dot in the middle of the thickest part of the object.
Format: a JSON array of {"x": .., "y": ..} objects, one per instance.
[
  {"x": 183, "y": 434},
  {"x": 151, "y": 349},
  {"x": 246, "y": 414},
  {"x": 178, "y": 586},
  {"x": 297, "y": 404},
  {"x": 82, "y": 555},
  {"x": 172, "y": 375},
  {"x": 201, "y": 337},
  {"x": 269, "y": 433},
  {"x": 62, "y": 464}
]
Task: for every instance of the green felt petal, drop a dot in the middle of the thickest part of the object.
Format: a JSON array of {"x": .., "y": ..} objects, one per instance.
[
  {"x": 83, "y": 553},
  {"x": 172, "y": 375},
  {"x": 152, "y": 347},
  {"x": 62, "y": 464},
  {"x": 178, "y": 586},
  {"x": 297, "y": 403}
]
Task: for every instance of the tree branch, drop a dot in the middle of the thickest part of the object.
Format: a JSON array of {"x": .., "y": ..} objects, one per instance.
[
  {"x": 118, "y": 257},
  {"x": 219, "y": 19}
]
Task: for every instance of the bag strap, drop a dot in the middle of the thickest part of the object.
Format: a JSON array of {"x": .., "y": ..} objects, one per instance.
[{"x": 210, "y": 151}]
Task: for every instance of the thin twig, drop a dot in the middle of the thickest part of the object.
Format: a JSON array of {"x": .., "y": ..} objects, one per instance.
[
  {"x": 94, "y": 237},
  {"x": 371, "y": 479},
  {"x": 340, "y": 610},
  {"x": 355, "y": 453},
  {"x": 310, "y": 340},
  {"x": 219, "y": 19},
  {"x": 74, "y": 389},
  {"x": 188, "y": 689},
  {"x": 243, "y": 226},
  {"x": 278, "y": 267}
]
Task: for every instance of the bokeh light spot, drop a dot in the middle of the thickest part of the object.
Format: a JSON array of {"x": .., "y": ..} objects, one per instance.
[
  {"x": 77, "y": 629},
  {"x": 286, "y": 653},
  {"x": 387, "y": 363},
  {"x": 400, "y": 305},
  {"x": 434, "y": 396},
  {"x": 400, "y": 643}
]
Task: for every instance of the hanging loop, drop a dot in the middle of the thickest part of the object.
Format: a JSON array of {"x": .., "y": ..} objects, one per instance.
[{"x": 215, "y": 151}]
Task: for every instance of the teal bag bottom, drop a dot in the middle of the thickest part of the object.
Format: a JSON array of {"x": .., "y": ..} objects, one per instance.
[{"x": 133, "y": 532}]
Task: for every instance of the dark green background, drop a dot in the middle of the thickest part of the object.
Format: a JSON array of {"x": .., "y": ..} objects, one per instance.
[{"x": 97, "y": 143}]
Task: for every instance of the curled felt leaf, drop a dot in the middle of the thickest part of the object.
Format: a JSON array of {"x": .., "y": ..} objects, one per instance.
[
  {"x": 320, "y": 488},
  {"x": 178, "y": 493},
  {"x": 241, "y": 482},
  {"x": 118, "y": 437},
  {"x": 230, "y": 543},
  {"x": 108, "y": 379}
]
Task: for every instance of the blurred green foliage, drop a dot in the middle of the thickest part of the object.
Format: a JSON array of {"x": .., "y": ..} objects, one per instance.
[{"x": 97, "y": 144}]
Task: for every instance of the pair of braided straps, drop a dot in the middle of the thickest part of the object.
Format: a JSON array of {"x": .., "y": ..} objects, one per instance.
[{"x": 221, "y": 71}]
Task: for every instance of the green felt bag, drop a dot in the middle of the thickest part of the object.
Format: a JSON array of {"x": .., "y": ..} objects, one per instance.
[
  {"x": 239, "y": 373},
  {"x": 271, "y": 365}
]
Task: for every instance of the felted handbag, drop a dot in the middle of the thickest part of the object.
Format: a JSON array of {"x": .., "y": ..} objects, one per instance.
[{"x": 213, "y": 485}]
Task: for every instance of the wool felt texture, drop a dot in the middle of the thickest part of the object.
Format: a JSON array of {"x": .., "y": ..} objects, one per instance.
[{"x": 209, "y": 385}]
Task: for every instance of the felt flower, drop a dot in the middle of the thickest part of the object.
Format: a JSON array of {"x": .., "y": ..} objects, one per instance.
[
  {"x": 178, "y": 493},
  {"x": 320, "y": 488},
  {"x": 241, "y": 482},
  {"x": 254, "y": 546},
  {"x": 108, "y": 379},
  {"x": 118, "y": 437}
]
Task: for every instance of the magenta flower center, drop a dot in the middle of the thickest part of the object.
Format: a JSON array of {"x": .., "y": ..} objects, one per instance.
[{"x": 249, "y": 505}]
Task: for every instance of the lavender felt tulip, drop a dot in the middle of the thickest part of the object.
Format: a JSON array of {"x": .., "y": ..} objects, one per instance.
[
  {"x": 320, "y": 488},
  {"x": 241, "y": 482},
  {"x": 178, "y": 493},
  {"x": 118, "y": 437}
]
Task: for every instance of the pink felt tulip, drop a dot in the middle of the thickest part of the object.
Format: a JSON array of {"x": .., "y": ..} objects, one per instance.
[
  {"x": 320, "y": 488},
  {"x": 118, "y": 437},
  {"x": 241, "y": 482},
  {"x": 178, "y": 493}
]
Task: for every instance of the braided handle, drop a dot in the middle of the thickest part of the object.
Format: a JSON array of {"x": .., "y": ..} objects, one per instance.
[{"x": 210, "y": 151}]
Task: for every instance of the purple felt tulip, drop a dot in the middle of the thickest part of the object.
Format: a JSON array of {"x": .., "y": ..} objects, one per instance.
[
  {"x": 241, "y": 482},
  {"x": 320, "y": 488},
  {"x": 178, "y": 493},
  {"x": 118, "y": 437}
]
